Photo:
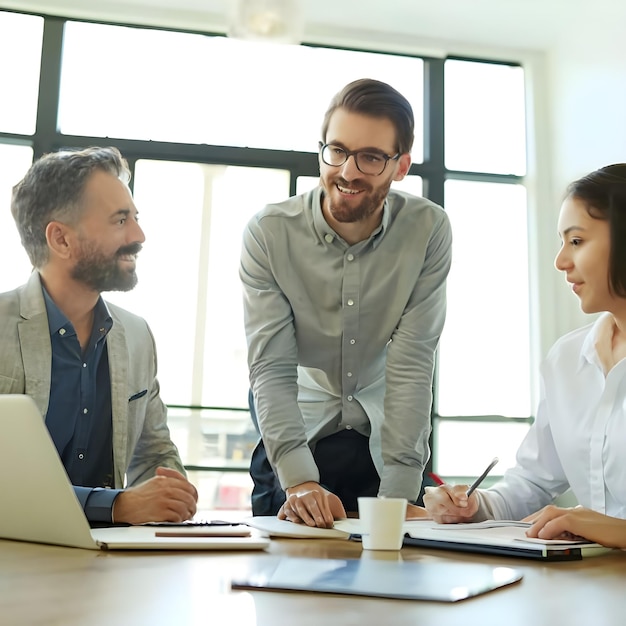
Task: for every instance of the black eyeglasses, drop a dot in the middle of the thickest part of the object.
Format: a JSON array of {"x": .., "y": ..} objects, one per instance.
[{"x": 368, "y": 162}]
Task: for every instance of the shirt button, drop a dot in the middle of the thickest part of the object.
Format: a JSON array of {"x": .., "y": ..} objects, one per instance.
[
  {"x": 85, "y": 410},
  {"x": 349, "y": 398},
  {"x": 81, "y": 456},
  {"x": 352, "y": 341},
  {"x": 348, "y": 427},
  {"x": 350, "y": 302},
  {"x": 350, "y": 257},
  {"x": 62, "y": 332},
  {"x": 329, "y": 238},
  {"x": 349, "y": 374},
  {"x": 84, "y": 364}
]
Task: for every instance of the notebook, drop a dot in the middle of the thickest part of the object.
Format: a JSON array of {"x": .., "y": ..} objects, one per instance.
[
  {"x": 39, "y": 504},
  {"x": 404, "y": 580},
  {"x": 498, "y": 537}
]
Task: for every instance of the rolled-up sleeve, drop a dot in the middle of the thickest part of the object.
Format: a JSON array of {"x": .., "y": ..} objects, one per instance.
[{"x": 409, "y": 371}]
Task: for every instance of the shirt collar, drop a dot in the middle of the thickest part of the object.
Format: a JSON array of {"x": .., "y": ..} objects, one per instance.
[
  {"x": 327, "y": 235},
  {"x": 595, "y": 342},
  {"x": 56, "y": 318}
]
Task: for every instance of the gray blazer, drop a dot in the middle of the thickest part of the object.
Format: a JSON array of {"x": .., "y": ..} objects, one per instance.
[{"x": 141, "y": 438}]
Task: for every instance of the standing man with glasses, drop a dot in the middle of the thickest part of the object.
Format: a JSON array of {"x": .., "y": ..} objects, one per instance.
[{"x": 344, "y": 299}]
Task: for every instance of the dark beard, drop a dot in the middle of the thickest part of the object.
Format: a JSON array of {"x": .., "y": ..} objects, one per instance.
[
  {"x": 347, "y": 214},
  {"x": 102, "y": 273}
]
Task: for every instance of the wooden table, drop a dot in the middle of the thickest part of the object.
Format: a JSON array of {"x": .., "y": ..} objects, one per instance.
[{"x": 55, "y": 586}]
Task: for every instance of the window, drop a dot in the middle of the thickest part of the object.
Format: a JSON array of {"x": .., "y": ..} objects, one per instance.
[
  {"x": 213, "y": 90},
  {"x": 193, "y": 216},
  {"x": 487, "y": 300},
  {"x": 214, "y": 129},
  {"x": 14, "y": 162},
  {"x": 20, "y": 51},
  {"x": 485, "y": 117},
  {"x": 483, "y": 366},
  {"x": 483, "y": 370}
]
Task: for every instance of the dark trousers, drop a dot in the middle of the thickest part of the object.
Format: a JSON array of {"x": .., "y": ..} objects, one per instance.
[{"x": 345, "y": 465}]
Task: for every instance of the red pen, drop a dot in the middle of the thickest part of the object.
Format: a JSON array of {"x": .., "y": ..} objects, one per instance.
[{"x": 436, "y": 479}]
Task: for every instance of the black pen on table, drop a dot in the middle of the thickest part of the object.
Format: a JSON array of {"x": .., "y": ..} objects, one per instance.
[{"x": 482, "y": 477}]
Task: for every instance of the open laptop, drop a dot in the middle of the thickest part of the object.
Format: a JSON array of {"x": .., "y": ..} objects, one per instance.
[{"x": 39, "y": 504}]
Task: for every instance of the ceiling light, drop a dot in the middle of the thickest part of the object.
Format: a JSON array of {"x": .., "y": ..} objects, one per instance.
[{"x": 278, "y": 21}]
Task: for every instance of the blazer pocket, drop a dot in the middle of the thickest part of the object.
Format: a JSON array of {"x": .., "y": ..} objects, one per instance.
[{"x": 136, "y": 396}]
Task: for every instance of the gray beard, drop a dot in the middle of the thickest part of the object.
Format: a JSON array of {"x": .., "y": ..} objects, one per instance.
[
  {"x": 109, "y": 277},
  {"x": 102, "y": 273}
]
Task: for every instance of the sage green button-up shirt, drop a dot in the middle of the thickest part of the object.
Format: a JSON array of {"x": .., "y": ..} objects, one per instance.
[{"x": 343, "y": 336}]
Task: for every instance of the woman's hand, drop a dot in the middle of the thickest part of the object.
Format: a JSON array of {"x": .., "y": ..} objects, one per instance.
[
  {"x": 449, "y": 504},
  {"x": 553, "y": 522}
]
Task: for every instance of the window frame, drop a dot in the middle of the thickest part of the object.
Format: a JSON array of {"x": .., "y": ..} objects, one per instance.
[{"x": 432, "y": 170}]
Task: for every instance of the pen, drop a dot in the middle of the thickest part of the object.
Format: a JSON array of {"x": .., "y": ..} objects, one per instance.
[
  {"x": 480, "y": 479},
  {"x": 436, "y": 479}
]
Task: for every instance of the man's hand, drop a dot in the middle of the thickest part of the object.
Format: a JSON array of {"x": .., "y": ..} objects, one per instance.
[
  {"x": 166, "y": 497},
  {"x": 448, "y": 504},
  {"x": 309, "y": 503}
]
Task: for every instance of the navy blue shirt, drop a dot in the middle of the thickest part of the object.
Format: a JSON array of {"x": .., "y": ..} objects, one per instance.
[{"x": 79, "y": 416}]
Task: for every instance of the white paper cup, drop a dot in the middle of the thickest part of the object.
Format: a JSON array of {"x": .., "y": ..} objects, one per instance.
[{"x": 381, "y": 521}]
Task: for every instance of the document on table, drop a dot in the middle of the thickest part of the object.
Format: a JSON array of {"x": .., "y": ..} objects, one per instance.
[
  {"x": 273, "y": 527},
  {"x": 505, "y": 537},
  {"x": 342, "y": 529}
]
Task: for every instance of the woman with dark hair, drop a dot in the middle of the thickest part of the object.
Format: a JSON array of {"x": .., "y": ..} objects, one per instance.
[{"x": 577, "y": 440}]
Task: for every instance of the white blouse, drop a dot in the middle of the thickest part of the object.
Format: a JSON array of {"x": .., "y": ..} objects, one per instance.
[{"x": 579, "y": 437}]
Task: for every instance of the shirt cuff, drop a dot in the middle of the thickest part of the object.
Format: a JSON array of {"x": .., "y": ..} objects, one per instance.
[
  {"x": 485, "y": 510},
  {"x": 400, "y": 481},
  {"x": 99, "y": 505},
  {"x": 297, "y": 467}
]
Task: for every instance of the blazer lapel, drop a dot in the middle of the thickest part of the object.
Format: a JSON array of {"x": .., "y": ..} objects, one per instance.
[
  {"x": 118, "y": 369},
  {"x": 34, "y": 334}
]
